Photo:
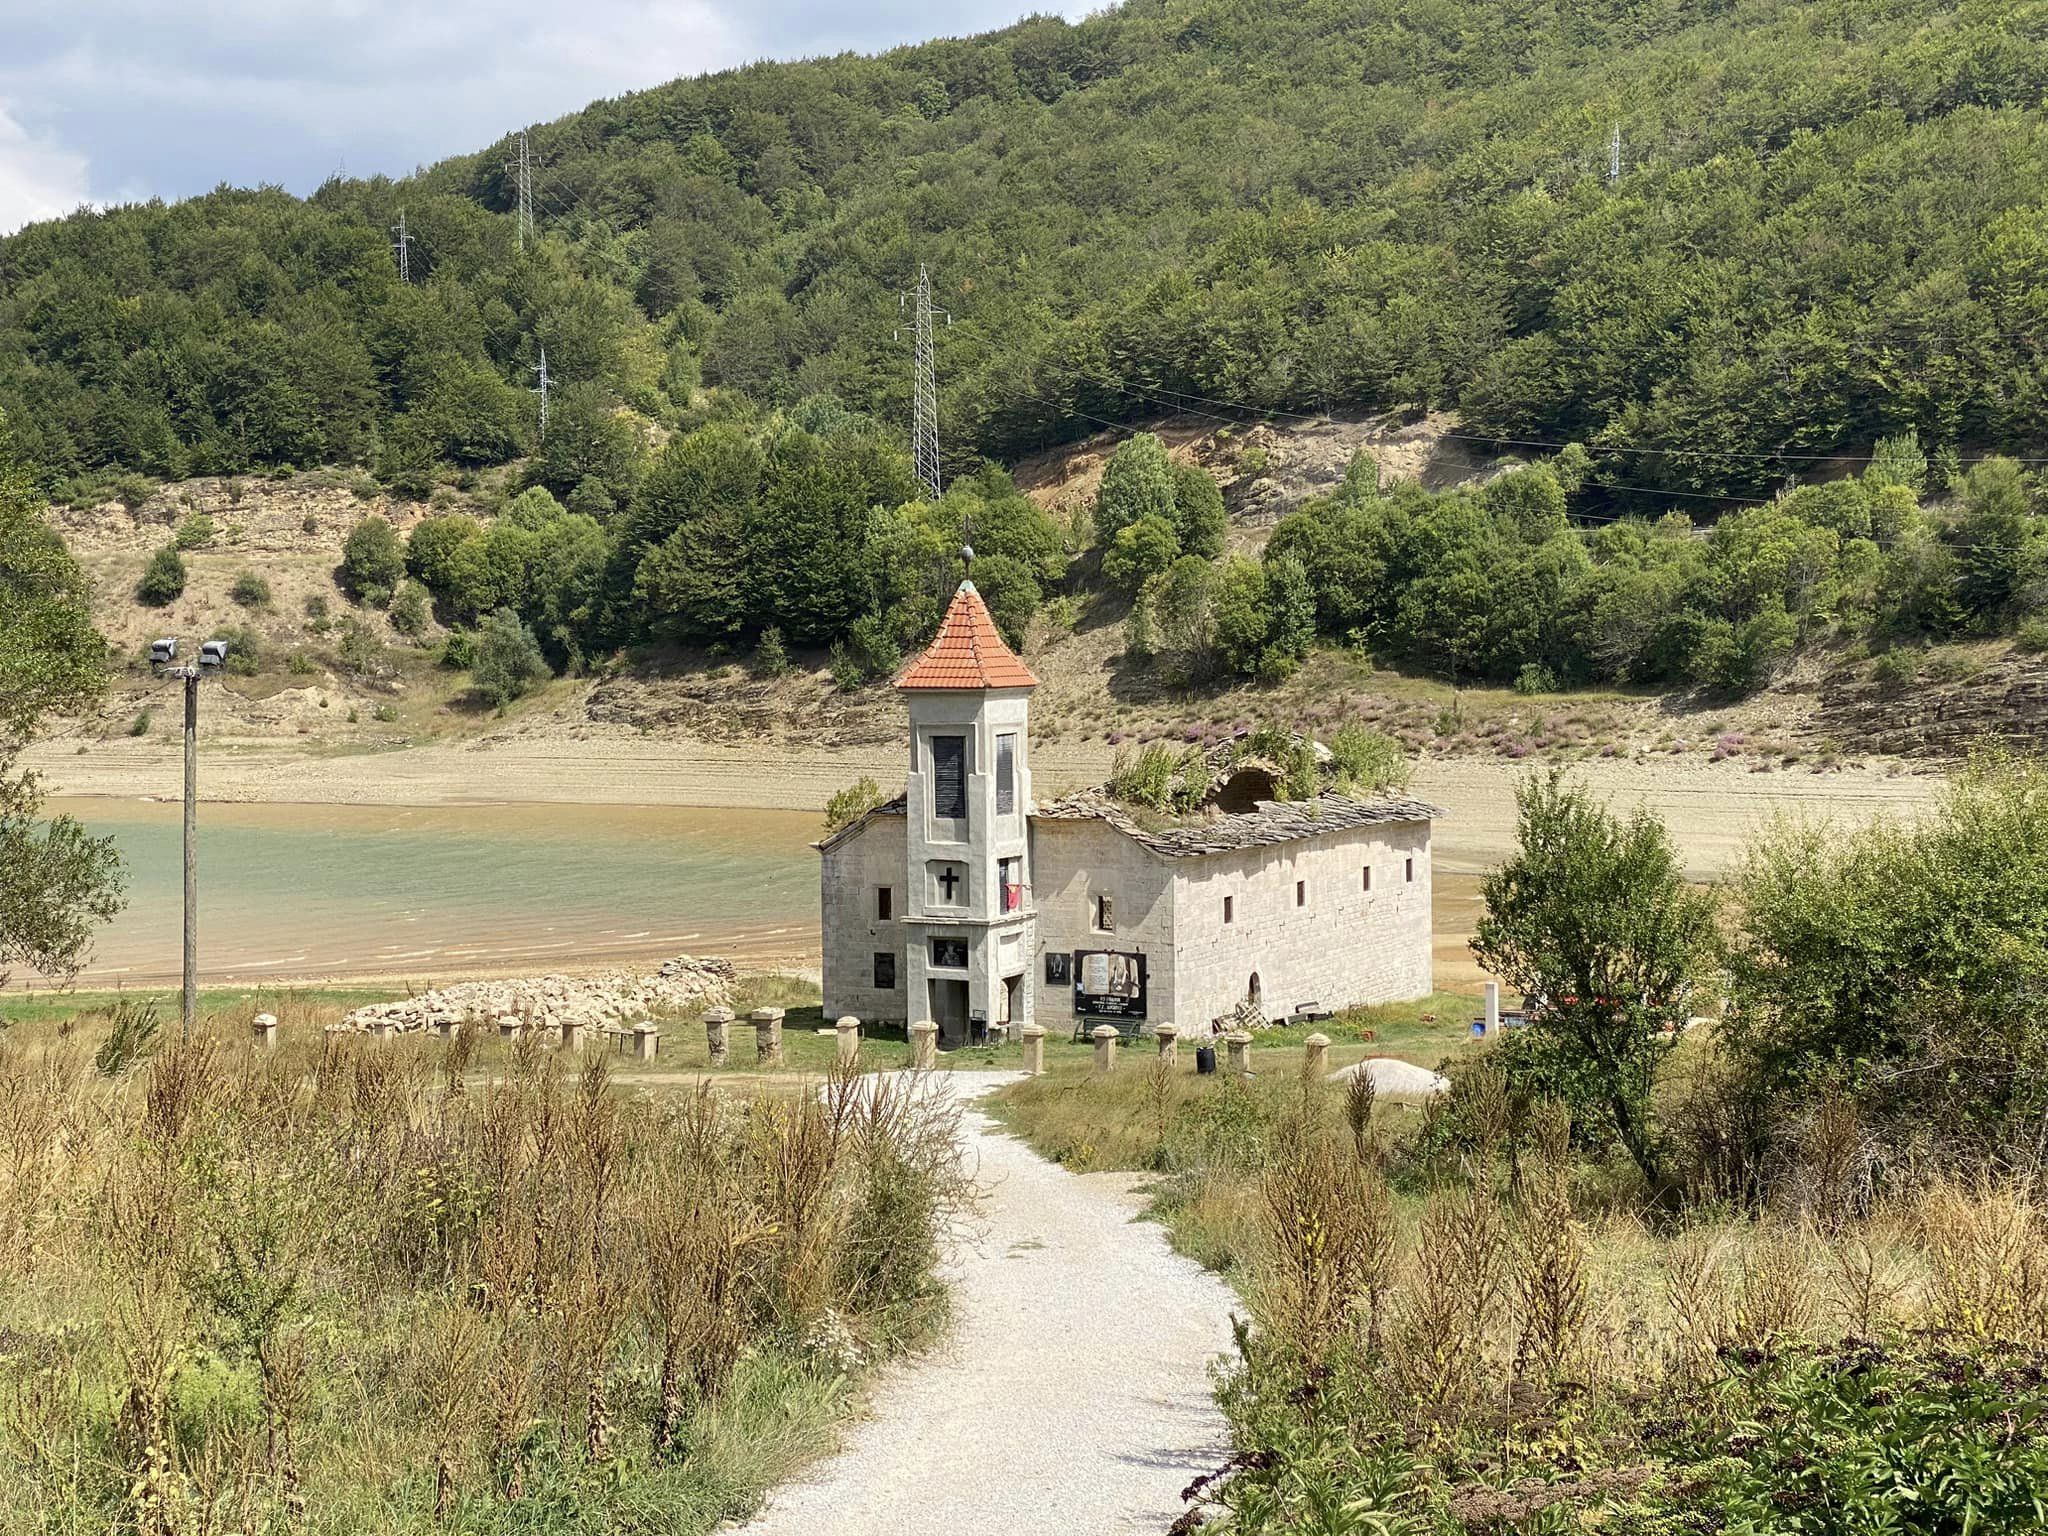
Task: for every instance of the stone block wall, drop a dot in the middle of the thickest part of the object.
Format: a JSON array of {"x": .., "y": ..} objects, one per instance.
[
  {"x": 849, "y": 873},
  {"x": 1076, "y": 861}
]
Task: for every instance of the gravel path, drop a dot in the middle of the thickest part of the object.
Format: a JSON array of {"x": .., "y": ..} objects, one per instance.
[{"x": 1070, "y": 1397}]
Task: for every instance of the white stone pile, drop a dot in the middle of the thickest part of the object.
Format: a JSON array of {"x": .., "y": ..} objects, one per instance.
[{"x": 600, "y": 1000}]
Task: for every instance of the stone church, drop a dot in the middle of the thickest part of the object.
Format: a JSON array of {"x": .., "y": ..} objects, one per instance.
[{"x": 967, "y": 902}]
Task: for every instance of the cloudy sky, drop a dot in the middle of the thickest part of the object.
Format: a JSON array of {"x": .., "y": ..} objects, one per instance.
[{"x": 113, "y": 100}]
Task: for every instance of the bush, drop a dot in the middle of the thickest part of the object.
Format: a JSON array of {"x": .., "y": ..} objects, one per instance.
[
  {"x": 410, "y": 610},
  {"x": 163, "y": 579},
  {"x": 299, "y": 664},
  {"x": 430, "y": 552},
  {"x": 2031, "y": 637},
  {"x": 1898, "y": 667},
  {"x": 360, "y": 652},
  {"x": 508, "y": 659},
  {"x": 851, "y": 803},
  {"x": 194, "y": 532},
  {"x": 139, "y": 726},
  {"x": 1535, "y": 678},
  {"x": 245, "y": 650},
  {"x": 1365, "y": 761},
  {"x": 1139, "y": 551},
  {"x": 250, "y": 590},
  {"x": 1951, "y": 664},
  {"x": 458, "y": 651},
  {"x": 372, "y": 560},
  {"x": 771, "y": 656}
]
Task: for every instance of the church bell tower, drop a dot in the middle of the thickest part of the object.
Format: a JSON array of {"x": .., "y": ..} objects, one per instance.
[{"x": 971, "y": 932}]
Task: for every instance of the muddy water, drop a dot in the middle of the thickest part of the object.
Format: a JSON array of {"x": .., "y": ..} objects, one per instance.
[{"x": 427, "y": 893}]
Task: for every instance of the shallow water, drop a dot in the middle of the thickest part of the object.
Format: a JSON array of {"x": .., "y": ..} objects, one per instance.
[{"x": 425, "y": 893}]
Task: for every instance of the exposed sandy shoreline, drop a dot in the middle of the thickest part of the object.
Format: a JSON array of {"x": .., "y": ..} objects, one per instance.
[{"x": 1710, "y": 808}]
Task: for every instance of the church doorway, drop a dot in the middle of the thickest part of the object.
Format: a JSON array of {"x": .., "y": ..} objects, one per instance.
[
  {"x": 949, "y": 1009},
  {"x": 1010, "y": 1002}
]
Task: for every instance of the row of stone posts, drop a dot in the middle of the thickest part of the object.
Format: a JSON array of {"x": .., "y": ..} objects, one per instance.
[{"x": 1237, "y": 1044}]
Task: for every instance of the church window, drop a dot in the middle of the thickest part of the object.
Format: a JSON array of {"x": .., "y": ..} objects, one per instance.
[
  {"x": 1006, "y": 774},
  {"x": 1230, "y": 909},
  {"x": 949, "y": 777},
  {"x": 885, "y": 970},
  {"x": 1010, "y": 876},
  {"x": 1301, "y": 893},
  {"x": 885, "y": 903},
  {"x": 1105, "y": 915},
  {"x": 1367, "y": 872},
  {"x": 1410, "y": 875}
]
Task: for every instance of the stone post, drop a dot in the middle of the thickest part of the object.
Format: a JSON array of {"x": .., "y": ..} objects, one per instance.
[
  {"x": 718, "y": 1033},
  {"x": 1315, "y": 1060},
  {"x": 924, "y": 1046},
  {"x": 1105, "y": 1038},
  {"x": 509, "y": 1025},
  {"x": 446, "y": 1028},
  {"x": 572, "y": 1035},
  {"x": 265, "y": 1027},
  {"x": 848, "y": 1030},
  {"x": 646, "y": 1040},
  {"x": 1492, "y": 1009},
  {"x": 1033, "y": 1036},
  {"x": 382, "y": 1030},
  {"x": 767, "y": 1036},
  {"x": 1169, "y": 1042},
  {"x": 1240, "y": 1045}
]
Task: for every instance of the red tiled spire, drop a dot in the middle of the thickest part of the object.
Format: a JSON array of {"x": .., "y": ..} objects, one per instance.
[{"x": 967, "y": 653}]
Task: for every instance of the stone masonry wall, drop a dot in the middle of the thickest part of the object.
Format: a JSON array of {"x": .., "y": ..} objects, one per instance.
[
  {"x": 848, "y": 876},
  {"x": 1075, "y": 862},
  {"x": 1344, "y": 946}
]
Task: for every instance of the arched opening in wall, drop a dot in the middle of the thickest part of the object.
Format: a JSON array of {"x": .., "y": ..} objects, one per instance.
[
  {"x": 1252, "y": 991},
  {"x": 1244, "y": 789}
]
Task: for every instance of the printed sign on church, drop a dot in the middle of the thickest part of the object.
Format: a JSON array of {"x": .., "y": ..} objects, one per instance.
[{"x": 1109, "y": 984}]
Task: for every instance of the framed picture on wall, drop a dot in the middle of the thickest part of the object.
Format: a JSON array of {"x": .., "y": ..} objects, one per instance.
[{"x": 1059, "y": 969}]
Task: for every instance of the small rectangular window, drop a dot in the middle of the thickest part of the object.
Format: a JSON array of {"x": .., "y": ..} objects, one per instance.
[
  {"x": 1410, "y": 875},
  {"x": 1006, "y": 773},
  {"x": 1230, "y": 909},
  {"x": 1301, "y": 893},
  {"x": 1367, "y": 872},
  {"x": 885, "y": 970},
  {"x": 885, "y": 903},
  {"x": 1105, "y": 915},
  {"x": 1010, "y": 879},
  {"x": 949, "y": 777}
]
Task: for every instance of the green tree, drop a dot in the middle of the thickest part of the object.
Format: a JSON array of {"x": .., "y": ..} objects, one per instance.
[
  {"x": 508, "y": 659},
  {"x": 1137, "y": 483},
  {"x": 1138, "y": 552},
  {"x": 163, "y": 578},
  {"x": 1592, "y": 920},
  {"x": 56, "y": 881},
  {"x": 372, "y": 560},
  {"x": 1199, "y": 519},
  {"x": 1011, "y": 592},
  {"x": 432, "y": 546},
  {"x": 1998, "y": 539}
]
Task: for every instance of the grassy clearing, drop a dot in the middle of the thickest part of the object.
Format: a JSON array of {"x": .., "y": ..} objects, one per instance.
[{"x": 342, "y": 1287}]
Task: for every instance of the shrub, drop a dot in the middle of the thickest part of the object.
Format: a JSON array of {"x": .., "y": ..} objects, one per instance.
[
  {"x": 2031, "y": 637},
  {"x": 250, "y": 590},
  {"x": 372, "y": 560},
  {"x": 194, "y": 532},
  {"x": 458, "y": 651},
  {"x": 1535, "y": 678},
  {"x": 386, "y": 713},
  {"x": 771, "y": 656},
  {"x": 299, "y": 664},
  {"x": 139, "y": 726},
  {"x": 508, "y": 659},
  {"x": 131, "y": 490},
  {"x": 410, "y": 610},
  {"x": 1365, "y": 761},
  {"x": 360, "y": 652},
  {"x": 851, "y": 803},
  {"x": 1898, "y": 667},
  {"x": 1951, "y": 664},
  {"x": 163, "y": 579},
  {"x": 245, "y": 650}
]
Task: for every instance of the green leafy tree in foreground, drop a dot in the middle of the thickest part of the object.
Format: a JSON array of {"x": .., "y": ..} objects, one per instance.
[
  {"x": 56, "y": 881},
  {"x": 1137, "y": 483},
  {"x": 372, "y": 560},
  {"x": 1593, "y": 920},
  {"x": 508, "y": 658}
]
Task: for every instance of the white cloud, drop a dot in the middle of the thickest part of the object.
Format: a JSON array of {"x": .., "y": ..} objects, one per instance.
[{"x": 39, "y": 178}]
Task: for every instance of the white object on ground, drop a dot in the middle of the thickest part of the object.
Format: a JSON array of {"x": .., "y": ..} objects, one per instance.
[
  {"x": 1070, "y": 1396},
  {"x": 1394, "y": 1078}
]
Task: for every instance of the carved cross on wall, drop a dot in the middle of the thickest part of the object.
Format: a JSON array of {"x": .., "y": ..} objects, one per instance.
[{"x": 948, "y": 878}]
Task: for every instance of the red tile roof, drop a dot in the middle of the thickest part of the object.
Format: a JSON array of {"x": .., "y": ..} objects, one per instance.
[{"x": 967, "y": 653}]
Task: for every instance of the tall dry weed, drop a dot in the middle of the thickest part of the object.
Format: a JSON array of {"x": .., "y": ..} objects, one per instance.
[
  {"x": 1550, "y": 1252},
  {"x": 1988, "y": 1257}
]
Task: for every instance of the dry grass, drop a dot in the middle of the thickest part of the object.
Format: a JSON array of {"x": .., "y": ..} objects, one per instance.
[{"x": 342, "y": 1287}]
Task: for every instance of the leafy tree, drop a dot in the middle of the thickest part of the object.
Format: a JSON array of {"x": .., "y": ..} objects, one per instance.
[
  {"x": 508, "y": 659},
  {"x": 1999, "y": 543},
  {"x": 1592, "y": 920},
  {"x": 372, "y": 560},
  {"x": 432, "y": 546},
  {"x": 1137, "y": 483},
  {"x": 1240, "y": 616},
  {"x": 163, "y": 578},
  {"x": 56, "y": 881},
  {"x": 1011, "y": 592},
  {"x": 1199, "y": 519},
  {"x": 410, "y": 611},
  {"x": 1140, "y": 551}
]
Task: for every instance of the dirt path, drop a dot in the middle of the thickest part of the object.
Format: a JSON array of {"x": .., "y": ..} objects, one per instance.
[{"x": 1071, "y": 1394}]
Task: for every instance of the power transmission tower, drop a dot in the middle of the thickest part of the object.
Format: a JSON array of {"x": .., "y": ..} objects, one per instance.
[
  {"x": 523, "y": 172},
  {"x": 1614, "y": 156},
  {"x": 400, "y": 244},
  {"x": 541, "y": 389},
  {"x": 924, "y": 423}
]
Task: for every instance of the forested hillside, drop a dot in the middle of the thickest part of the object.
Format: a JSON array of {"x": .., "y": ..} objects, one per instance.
[{"x": 1695, "y": 252}]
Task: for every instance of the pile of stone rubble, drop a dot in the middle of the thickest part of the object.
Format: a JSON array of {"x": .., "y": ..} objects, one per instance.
[{"x": 599, "y": 1000}]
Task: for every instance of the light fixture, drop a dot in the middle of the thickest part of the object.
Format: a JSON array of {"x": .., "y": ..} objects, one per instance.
[
  {"x": 213, "y": 653},
  {"x": 163, "y": 652}
]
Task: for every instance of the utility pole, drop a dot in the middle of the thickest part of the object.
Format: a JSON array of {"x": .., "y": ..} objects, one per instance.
[
  {"x": 212, "y": 656},
  {"x": 400, "y": 244},
  {"x": 541, "y": 389},
  {"x": 924, "y": 422},
  {"x": 525, "y": 224},
  {"x": 1614, "y": 156}
]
